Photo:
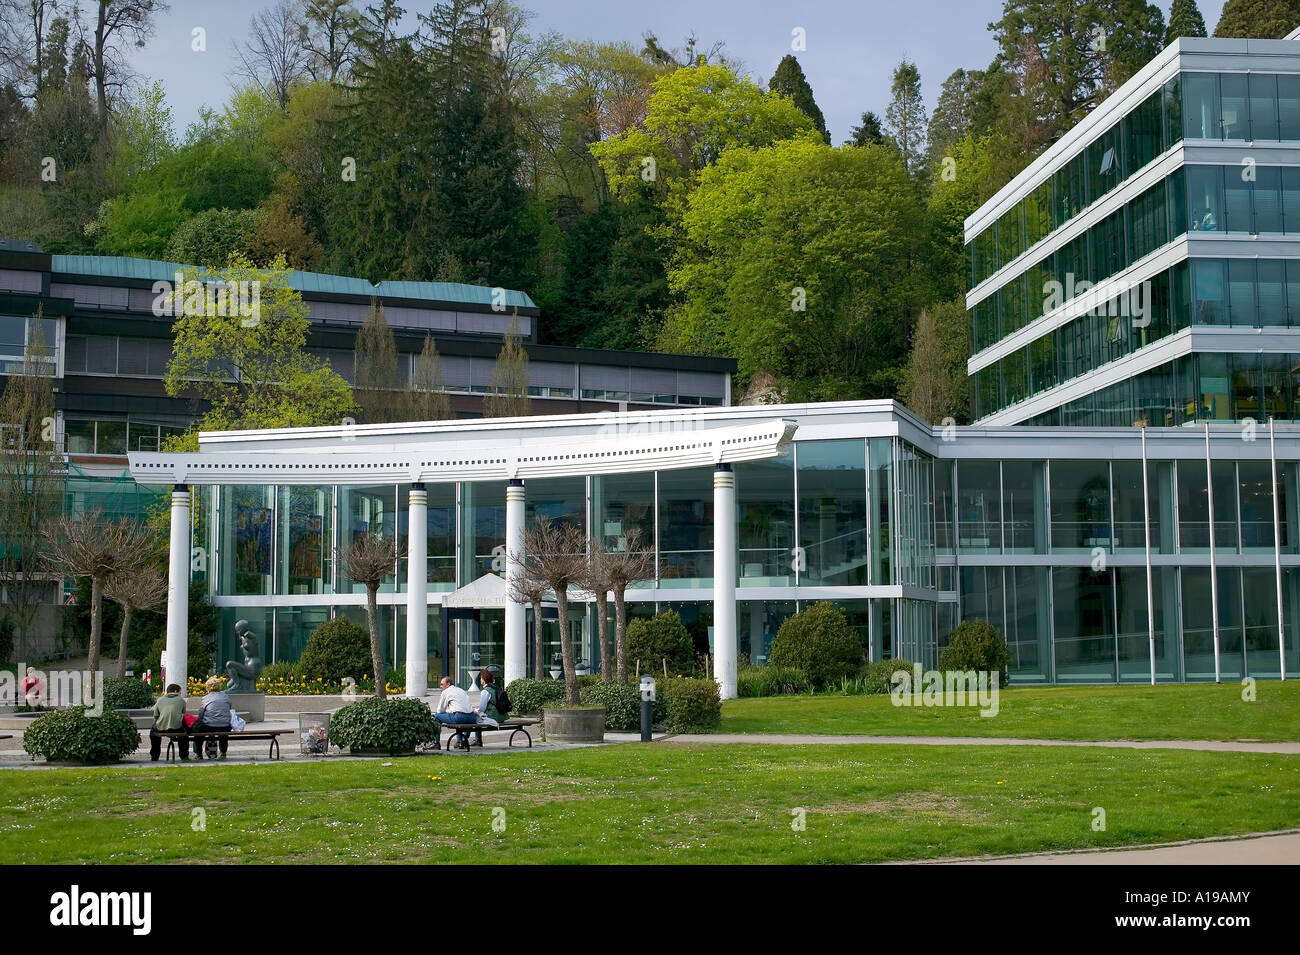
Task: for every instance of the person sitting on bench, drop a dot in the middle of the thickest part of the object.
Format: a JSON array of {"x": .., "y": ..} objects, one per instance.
[
  {"x": 488, "y": 711},
  {"x": 168, "y": 714},
  {"x": 454, "y": 707},
  {"x": 214, "y": 714}
]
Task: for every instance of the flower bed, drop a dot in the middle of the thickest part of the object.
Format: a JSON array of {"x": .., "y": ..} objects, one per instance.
[{"x": 303, "y": 687}]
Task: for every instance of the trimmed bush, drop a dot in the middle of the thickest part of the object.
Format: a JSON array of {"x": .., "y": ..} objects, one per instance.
[
  {"x": 976, "y": 645},
  {"x": 878, "y": 676},
  {"x": 395, "y": 725},
  {"x": 126, "y": 693},
  {"x": 772, "y": 681},
  {"x": 622, "y": 702},
  {"x": 820, "y": 642},
  {"x": 278, "y": 672},
  {"x": 660, "y": 638},
  {"x": 529, "y": 696},
  {"x": 587, "y": 679},
  {"x": 693, "y": 706},
  {"x": 335, "y": 649},
  {"x": 72, "y": 734}
]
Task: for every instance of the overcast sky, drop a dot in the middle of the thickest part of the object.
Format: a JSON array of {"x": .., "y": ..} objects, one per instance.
[{"x": 852, "y": 45}]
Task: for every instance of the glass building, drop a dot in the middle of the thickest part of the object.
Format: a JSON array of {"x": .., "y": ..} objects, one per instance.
[{"x": 1145, "y": 270}]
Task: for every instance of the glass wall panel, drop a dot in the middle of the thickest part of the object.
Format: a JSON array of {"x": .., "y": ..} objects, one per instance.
[
  {"x": 1194, "y": 508},
  {"x": 623, "y": 504},
  {"x": 981, "y": 595},
  {"x": 1259, "y": 599},
  {"x": 483, "y": 529},
  {"x": 366, "y": 510},
  {"x": 560, "y": 500},
  {"x": 1256, "y": 497},
  {"x": 1231, "y": 623},
  {"x": 979, "y": 507},
  {"x": 1200, "y": 105},
  {"x": 293, "y": 625},
  {"x": 248, "y": 535},
  {"x": 1024, "y": 507},
  {"x": 1084, "y": 625},
  {"x": 765, "y": 532},
  {"x": 305, "y": 542},
  {"x": 1029, "y": 624},
  {"x": 1198, "y": 624},
  {"x": 759, "y": 622},
  {"x": 1134, "y": 638},
  {"x": 261, "y": 622},
  {"x": 440, "y": 535},
  {"x": 1080, "y": 496},
  {"x": 686, "y": 528},
  {"x": 880, "y": 458},
  {"x": 1263, "y": 106},
  {"x": 833, "y": 511},
  {"x": 944, "y": 507}
]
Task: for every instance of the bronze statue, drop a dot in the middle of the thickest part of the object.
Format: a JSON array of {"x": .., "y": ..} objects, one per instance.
[{"x": 242, "y": 677}]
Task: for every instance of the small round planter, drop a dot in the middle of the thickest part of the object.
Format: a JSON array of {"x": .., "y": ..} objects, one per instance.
[{"x": 563, "y": 725}]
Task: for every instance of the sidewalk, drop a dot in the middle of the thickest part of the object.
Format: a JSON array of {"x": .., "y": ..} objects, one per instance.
[
  {"x": 791, "y": 739},
  {"x": 1255, "y": 849}
]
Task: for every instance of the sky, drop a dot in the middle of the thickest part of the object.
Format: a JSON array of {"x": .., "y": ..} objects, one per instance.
[{"x": 852, "y": 46}]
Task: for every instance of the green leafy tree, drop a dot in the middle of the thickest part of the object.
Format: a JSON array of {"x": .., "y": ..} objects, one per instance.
[
  {"x": 1184, "y": 20},
  {"x": 789, "y": 80},
  {"x": 977, "y": 645},
  {"x": 253, "y": 371},
  {"x": 507, "y": 395},
  {"x": 905, "y": 118},
  {"x": 869, "y": 132},
  {"x": 210, "y": 238},
  {"x": 936, "y": 385},
  {"x": 376, "y": 367},
  {"x": 1258, "y": 19},
  {"x": 661, "y": 638},
  {"x": 958, "y": 189}
]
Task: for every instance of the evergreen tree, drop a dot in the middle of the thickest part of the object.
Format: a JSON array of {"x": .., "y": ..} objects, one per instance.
[
  {"x": 905, "y": 117},
  {"x": 426, "y": 396},
  {"x": 507, "y": 395},
  {"x": 789, "y": 80},
  {"x": 1258, "y": 19},
  {"x": 869, "y": 132},
  {"x": 1185, "y": 20},
  {"x": 951, "y": 119},
  {"x": 375, "y": 367}
]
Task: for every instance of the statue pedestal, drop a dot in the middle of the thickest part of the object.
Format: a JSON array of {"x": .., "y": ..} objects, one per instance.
[{"x": 251, "y": 706}]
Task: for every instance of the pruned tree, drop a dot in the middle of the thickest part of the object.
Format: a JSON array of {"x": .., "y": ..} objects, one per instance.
[
  {"x": 556, "y": 554},
  {"x": 507, "y": 395},
  {"x": 632, "y": 562},
  {"x": 426, "y": 395},
  {"x": 31, "y": 483},
  {"x": 368, "y": 560},
  {"x": 532, "y": 590},
  {"x": 274, "y": 57},
  {"x": 595, "y": 581},
  {"x": 90, "y": 546},
  {"x": 141, "y": 586}
]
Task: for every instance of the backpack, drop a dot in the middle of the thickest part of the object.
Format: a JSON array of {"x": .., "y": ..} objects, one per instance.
[{"x": 504, "y": 706}]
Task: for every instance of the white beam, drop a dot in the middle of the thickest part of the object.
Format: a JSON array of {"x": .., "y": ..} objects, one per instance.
[
  {"x": 178, "y": 590},
  {"x": 417, "y": 592}
]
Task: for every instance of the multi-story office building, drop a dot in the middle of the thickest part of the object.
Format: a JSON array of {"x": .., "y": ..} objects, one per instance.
[{"x": 1145, "y": 269}]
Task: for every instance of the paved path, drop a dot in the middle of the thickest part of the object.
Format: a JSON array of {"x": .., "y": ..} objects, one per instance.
[
  {"x": 1229, "y": 746},
  {"x": 1258, "y": 849}
]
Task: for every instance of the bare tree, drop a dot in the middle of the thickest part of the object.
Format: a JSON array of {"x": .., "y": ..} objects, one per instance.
[
  {"x": 426, "y": 396},
  {"x": 375, "y": 352},
  {"x": 133, "y": 588},
  {"x": 275, "y": 55},
  {"x": 117, "y": 22},
  {"x": 507, "y": 395},
  {"x": 368, "y": 560},
  {"x": 632, "y": 562},
  {"x": 328, "y": 37},
  {"x": 531, "y": 590},
  {"x": 595, "y": 581},
  {"x": 556, "y": 554},
  {"x": 92, "y": 547}
]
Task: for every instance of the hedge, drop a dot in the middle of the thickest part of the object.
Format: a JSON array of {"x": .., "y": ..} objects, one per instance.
[
  {"x": 127, "y": 693},
  {"x": 72, "y": 734},
  {"x": 693, "y": 706}
]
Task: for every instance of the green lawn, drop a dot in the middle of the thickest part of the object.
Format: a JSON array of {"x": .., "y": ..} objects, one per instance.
[
  {"x": 1212, "y": 712},
  {"x": 635, "y": 803}
]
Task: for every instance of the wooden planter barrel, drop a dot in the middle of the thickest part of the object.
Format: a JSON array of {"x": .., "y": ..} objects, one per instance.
[{"x": 573, "y": 726}]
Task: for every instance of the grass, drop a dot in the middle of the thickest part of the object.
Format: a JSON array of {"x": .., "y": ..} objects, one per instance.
[
  {"x": 645, "y": 804},
  {"x": 1197, "y": 711}
]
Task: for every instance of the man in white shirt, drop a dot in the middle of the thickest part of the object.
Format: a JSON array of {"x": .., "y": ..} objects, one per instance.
[{"x": 454, "y": 706}]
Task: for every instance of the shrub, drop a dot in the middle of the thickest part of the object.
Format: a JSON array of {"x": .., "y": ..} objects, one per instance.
[
  {"x": 126, "y": 693},
  {"x": 693, "y": 706},
  {"x": 335, "y": 649},
  {"x": 820, "y": 642},
  {"x": 589, "y": 679},
  {"x": 529, "y": 696},
  {"x": 878, "y": 676},
  {"x": 622, "y": 702},
  {"x": 72, "y": 734},
  {"x": 395, "y": 725},
  {"x": 279, "y": 672},
  {"x": 772, "y": 681},
  {"x": 976, "y": 645},
  {"x": 660, "y": 638}
]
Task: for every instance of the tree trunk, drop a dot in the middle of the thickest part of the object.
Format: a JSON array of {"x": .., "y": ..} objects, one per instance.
[
  {"x": 620, "y": 633},
  {"x": 539, "y": 643},
  {"x": 602, "y": 635},
  {"x": 376, "y": 651},
  {"x": 96, "y": 624},
  {"x": 566, "y": 650},
  {"x": 121, "y": 640}
]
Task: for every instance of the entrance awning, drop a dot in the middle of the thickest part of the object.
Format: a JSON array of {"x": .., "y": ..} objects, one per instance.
[{"x": 486, "y": 593}]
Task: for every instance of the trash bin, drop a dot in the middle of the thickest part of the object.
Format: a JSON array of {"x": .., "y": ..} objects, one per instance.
[{"x": 314, "y": 733}]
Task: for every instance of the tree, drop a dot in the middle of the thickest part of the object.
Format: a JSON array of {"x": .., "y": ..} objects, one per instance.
[
  {"x": 661, "y": 640},
  {"x": 531, "y": 590},
  {"x": 274, "y": 57},
  {"x": 369, "y": 560},
  {"x": 1185, "y": 20},
  {"x": 627, "y": 565},
  {"x": 140, "y": 586},
  {"x": 789, "y": 80},
  {"x": 426, "y": 398},
  {"x": 595, "y": 581},
  {"x": 93, "y": 547},
  {"x": 1258, "y": 19},
  {"x": 555, "y": 555},
  {"x": 254, "y": 371},
  {"x": 31, "y": 481},
  {"x": 936, "y": 385},
  {"x": 507, "y": 395},
  {"x": 376, "y": 367},
  {"x": 329, "y": 38},
  {"x": 905, "y": 117},
  {"x": 951, "y": 119},
  {"x": 117, "y": 22},
  {"x": 868, "y": 132}
]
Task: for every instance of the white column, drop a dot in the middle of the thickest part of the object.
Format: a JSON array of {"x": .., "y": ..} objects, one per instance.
[
  {"x": 1146, "y": 529},
  {"x": 1214, "y": 564},
  {"x": 516, "y": 637},
  {"x": 1277, "y": 549},
  {"x": 724, "y": 580},
  {"x": 417, "y": 592},
  {"x": 178, "y": 590}
]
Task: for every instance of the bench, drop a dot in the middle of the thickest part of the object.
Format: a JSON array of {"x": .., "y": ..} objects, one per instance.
[
  {"x": 461, "y": 731},
  {"x": 273, "y": 751}
]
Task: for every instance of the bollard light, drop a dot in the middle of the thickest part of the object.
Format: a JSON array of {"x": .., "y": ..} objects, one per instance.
[{"x": 647, "y": 705}]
